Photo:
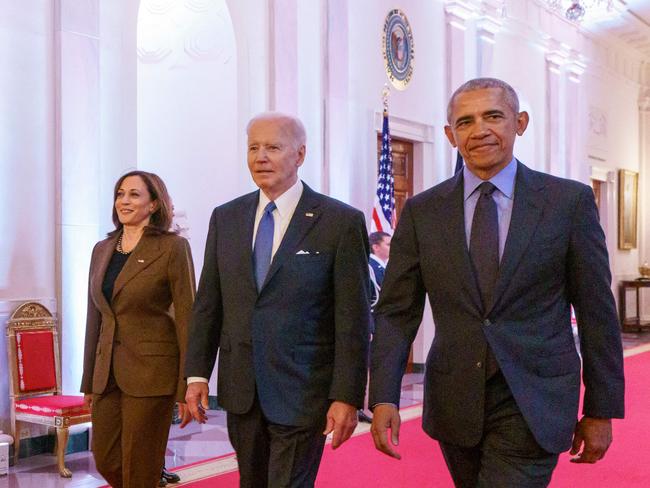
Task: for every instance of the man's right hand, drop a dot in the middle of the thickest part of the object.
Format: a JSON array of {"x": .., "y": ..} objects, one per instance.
[
  {"x": 385, "y": 417},
  {"x": 196, "y": 398}
]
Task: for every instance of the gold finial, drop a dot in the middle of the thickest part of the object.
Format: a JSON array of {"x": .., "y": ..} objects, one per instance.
[{"x": 385, "y": 93}]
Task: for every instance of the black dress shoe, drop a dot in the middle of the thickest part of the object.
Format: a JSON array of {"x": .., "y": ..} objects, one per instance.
[
  {"x": 361, "y": 415},
  {"x": 169, "y": 477}
]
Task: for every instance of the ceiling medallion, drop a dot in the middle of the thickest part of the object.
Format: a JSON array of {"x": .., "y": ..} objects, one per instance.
[{"x": 398, "y": 49}]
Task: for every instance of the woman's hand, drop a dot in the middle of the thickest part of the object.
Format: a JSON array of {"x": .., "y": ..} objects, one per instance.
[{"x": 88, "y": 401}]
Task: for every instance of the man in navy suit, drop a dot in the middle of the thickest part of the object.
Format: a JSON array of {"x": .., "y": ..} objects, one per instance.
[
  {"x": 502, "y": 252},
  {"x": 283, "y": 298}
]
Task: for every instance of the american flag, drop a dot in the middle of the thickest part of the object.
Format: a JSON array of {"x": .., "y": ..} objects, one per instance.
[{"x": 384, "y": 209}]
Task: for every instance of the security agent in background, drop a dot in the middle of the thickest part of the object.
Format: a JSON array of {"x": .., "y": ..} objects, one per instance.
[{"x": 379, "y": 250}]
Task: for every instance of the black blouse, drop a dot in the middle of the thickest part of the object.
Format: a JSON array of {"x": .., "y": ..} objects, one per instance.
[{"x": 118, "y": 260}]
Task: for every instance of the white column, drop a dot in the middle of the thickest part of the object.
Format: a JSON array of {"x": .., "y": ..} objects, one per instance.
[
  {"x": 311, "y": 49},
  {"x": 337, "y": 102},
  {"x": 79, "y": 170},
  {"x": 487, "y": 26},
  {"x": 27, "y": 171},
  {"x": 457, "y": 15},
  {"x": 644, "y": 188},
  {"x": 283, "y": 45},
  {"x": 555, "y": 110},
  {"x": 575, "y": 155}
]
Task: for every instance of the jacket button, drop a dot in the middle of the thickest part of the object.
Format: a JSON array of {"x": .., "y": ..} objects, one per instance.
[
  {"x": 479, "y": 365},
  {"x": 487, "y": 322}
]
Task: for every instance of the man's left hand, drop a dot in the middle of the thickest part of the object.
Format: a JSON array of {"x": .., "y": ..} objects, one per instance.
[
  {"x": 593, "y": 436},
  {"x": 342, "y": 419}
]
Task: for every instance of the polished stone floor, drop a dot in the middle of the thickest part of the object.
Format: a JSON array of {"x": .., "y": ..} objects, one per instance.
[
  {"x": 192, "y": 444},
  {"x": 186, "y": 446}
]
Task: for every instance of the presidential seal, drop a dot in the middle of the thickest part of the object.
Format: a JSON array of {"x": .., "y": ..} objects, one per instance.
[{"x": 399, "y": 50}]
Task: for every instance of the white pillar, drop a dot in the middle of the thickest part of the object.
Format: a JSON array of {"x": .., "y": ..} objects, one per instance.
[
  {"x": 27, "y": 170},
  {"x": 555, "y": 111},
  {"x": 487, "y": 27},
  {"x": 575, "y": 154},
  {"x": 337, "y": 102},
  {"x": 79, "y": 171},
  {"x": 644, "y": 188},
  {"x": 457, "y": 15}
]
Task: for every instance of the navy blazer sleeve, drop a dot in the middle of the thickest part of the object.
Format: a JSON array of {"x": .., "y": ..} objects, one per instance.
[
  {"x": 398, "y": 313},
  {"x": 351, "y": 314},
  {"x": 207, "y": 313},
  {"x": 591, "y": 296}
]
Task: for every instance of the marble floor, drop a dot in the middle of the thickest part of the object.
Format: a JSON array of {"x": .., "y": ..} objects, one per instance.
[{"x": 186, "y": 446}]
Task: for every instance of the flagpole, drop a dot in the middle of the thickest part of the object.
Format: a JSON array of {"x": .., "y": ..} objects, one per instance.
[{"x": 383, "y": 213}]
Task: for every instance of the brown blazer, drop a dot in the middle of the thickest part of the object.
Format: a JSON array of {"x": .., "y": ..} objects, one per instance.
[{"x": 142, "y": 333}]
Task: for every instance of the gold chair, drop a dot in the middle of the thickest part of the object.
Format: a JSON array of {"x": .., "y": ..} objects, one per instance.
[{"x": 35, "y": 382}]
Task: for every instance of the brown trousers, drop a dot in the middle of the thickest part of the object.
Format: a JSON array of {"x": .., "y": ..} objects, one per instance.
[{"x": 130, "y": 437}]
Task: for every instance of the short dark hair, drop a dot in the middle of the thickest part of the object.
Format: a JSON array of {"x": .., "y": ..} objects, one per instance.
[
  {"x": 161, "y": 219},
  {"x": 375, "y": 238},
  {"x": 509, "y": 93}
]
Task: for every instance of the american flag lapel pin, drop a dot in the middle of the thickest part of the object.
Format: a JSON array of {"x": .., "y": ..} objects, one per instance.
[
  {"x": 309, "y": 214},
  {"x": 140, "y": 260}
]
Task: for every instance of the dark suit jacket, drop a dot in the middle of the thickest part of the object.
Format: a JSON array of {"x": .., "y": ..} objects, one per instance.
[
  {"x": 302, "y": 341},
  {"x": 142, "y": 333},
  {"x": 554, "y": 257}
]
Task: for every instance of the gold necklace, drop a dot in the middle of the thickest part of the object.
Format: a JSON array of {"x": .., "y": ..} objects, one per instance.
[{"x": 118, "y": 247}]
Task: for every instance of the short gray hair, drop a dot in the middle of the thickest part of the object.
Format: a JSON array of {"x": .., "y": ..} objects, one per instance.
[
  {"x": 509, "y": 93},
  {"x": 293, "y": 124}
]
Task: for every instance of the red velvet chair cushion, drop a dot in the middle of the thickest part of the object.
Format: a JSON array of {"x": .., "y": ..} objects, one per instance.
[
  {"x": 35, "y": 356},
  {"x": 53, "y": 405}
]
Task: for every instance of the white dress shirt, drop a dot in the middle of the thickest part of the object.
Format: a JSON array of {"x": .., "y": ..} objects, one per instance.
[{"x": 285, "y": 206}]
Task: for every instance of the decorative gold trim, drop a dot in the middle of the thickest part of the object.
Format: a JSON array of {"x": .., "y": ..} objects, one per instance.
[{"x": 628, "y": 193}]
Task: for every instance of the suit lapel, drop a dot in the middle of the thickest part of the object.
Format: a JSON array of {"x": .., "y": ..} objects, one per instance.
[
  {"x": 243, "y": 238},
  {"x": 103, "y": 257},
  {"x": 304, "y": 217},
  {"x": 527, "y": 210},
  {"x": 145, "y": 253},
  {"x": 454, "y": 208}
]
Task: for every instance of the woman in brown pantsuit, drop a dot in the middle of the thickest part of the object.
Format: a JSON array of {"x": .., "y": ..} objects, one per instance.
[{"x": 140, "y": 294}]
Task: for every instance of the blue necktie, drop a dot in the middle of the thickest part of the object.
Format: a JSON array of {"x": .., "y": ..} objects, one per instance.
[{"x": 263, "y": 245}]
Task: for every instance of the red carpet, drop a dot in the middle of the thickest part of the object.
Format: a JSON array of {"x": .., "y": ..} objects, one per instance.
[{"x": 357, "y": 464}]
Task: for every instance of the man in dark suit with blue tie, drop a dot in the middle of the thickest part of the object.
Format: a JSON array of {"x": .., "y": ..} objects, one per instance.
[
  {"x": 283, "y": 298},
  {"x": 502, "y": 252}
]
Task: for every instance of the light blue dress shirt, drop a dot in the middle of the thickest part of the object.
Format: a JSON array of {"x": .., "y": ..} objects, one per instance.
[{"x": 504, "y": 180}]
